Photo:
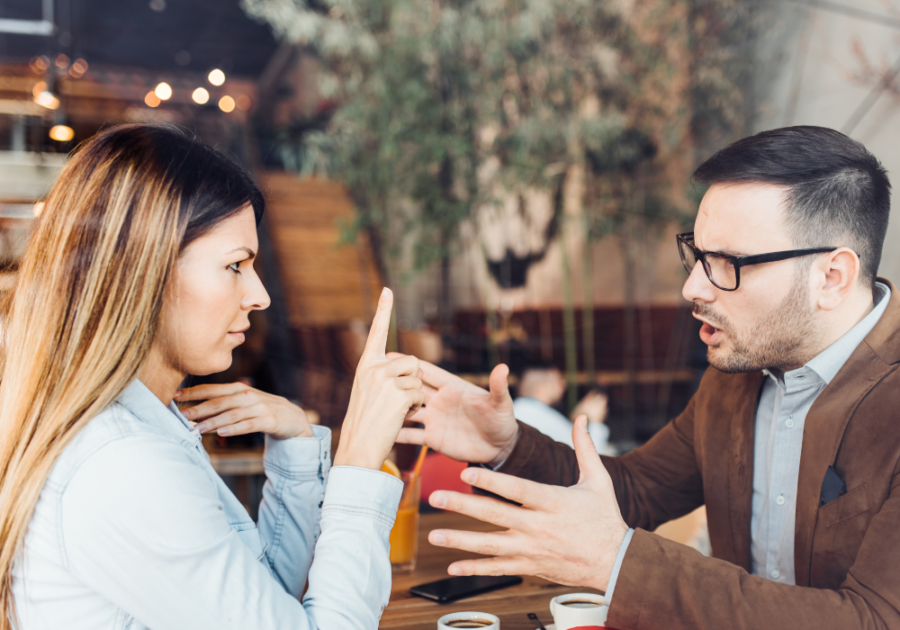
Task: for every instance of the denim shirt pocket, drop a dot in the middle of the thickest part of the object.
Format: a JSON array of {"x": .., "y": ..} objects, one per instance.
[{"x": 251, "y": 537}]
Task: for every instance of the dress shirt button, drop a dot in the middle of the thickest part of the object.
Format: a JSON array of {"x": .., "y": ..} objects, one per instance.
[
  {"x": 780, "y": 500},
  {"x": 789, "y": 423},
  {"x": 775, "y": 574}
]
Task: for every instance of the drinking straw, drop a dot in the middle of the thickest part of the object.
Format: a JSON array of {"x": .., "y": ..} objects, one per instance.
[{"x": 417, "y": 469}]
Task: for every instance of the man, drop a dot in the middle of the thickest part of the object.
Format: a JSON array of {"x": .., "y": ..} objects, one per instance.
[
  {"x": 540, "y": 388},
  {"x": 792, "y": 440}
]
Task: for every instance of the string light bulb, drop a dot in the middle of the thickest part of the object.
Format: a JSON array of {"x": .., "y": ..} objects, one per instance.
[
  {"x": 200, "y": 96},
  {"x": 216, "y": 77},
  {"x": 152, "y": 100},
  {"x": 163, "y": 91},
  {"x": 226, "y": 104}
]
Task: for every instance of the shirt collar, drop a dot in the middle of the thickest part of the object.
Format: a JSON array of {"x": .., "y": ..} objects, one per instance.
[
  {"x": 824, "y": 366},
  {"x": 144, "y": 404}
]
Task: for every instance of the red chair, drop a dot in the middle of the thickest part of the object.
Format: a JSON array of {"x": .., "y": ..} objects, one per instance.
[{"x": 439, "y": 472}]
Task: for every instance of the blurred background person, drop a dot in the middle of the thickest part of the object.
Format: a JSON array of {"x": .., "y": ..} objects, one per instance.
[{"x": 541, "y": 389}]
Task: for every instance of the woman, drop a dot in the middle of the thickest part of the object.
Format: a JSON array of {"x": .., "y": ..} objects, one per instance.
[{"x": 139, "y": 272}]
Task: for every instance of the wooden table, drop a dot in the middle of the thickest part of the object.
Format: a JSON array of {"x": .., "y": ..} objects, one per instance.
[{"x": 510, "y": 604}]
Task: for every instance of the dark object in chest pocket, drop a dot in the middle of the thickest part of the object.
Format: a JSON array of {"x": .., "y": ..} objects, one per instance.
[{"x": 840, "y": 528}]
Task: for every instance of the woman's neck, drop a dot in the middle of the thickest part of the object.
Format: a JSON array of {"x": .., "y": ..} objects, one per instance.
[{"x": 160, "y": 377}]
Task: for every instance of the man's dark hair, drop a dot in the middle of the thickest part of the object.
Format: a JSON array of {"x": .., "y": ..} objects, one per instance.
[{"x": 839, "y": 193}]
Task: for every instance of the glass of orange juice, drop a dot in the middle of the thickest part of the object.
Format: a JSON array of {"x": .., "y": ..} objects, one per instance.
[{"x": 405, "y": 534}]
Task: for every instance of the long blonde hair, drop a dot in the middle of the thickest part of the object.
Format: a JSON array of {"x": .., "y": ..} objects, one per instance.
[{"x": 85, "y": 307}]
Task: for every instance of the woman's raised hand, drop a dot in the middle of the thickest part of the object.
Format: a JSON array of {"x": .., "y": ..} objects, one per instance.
[
  {"x": 236, "y": 409},
  {"x": 384, "y": 392}
]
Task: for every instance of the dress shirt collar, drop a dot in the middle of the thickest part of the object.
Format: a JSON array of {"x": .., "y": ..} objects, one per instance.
[{"x": 822, "y": 368}]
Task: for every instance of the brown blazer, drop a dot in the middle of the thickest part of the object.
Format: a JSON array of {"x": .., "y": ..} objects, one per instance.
[{"x": 846, "y": 553}]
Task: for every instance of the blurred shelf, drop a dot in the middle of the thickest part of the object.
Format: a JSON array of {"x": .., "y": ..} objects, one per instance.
[
  {"x": 608, "y": 378},
  {"x": 234, "y": 461}
]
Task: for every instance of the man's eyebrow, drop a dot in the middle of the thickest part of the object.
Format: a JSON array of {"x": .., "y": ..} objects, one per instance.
[
  {"x": 250, "y": 253},
  {"x": 729, "y": 252}
]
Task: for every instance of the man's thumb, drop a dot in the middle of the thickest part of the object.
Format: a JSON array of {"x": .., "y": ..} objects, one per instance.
[
  {"x": 588, "y": 460},
  {"x": 499, "y": 385}
]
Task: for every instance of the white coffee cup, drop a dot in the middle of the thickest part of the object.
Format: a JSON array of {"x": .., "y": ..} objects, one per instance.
[
  {"x": 576, "y": 610},
  {"x": 489, "y": 622}
]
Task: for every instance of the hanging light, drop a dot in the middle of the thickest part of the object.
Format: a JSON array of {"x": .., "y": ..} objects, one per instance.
[
  {"x": 226, "y": 104},
  {"x": 44, "y": 96},
  {"x": 79, "y": 67},
  {"x": 200, "y": 96},
  {"x": 216, "y": 77},
  {"x": 61, "y": 133},
  {"x": 163, "y": 91}
]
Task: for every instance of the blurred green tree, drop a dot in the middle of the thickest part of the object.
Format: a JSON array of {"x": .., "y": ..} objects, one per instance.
[{"x": 445, "y": 106}]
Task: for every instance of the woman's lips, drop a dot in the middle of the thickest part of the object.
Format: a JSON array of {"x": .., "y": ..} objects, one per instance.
[
  {"x": 710, "y": 335},
  {"x": 237, "y": 336}
]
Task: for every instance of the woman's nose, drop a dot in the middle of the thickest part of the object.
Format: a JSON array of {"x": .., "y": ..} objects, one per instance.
[{"x": 257, "y": 298}]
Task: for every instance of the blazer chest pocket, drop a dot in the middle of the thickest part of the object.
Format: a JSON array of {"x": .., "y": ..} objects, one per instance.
[
  {"x": 844, "y": 508},
  {"x": 840, "y": 528}
]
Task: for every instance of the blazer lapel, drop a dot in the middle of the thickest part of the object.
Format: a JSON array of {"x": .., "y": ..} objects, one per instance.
[
  {"x": 740, "y": 470},
  {"x": 828, "y": 418}
]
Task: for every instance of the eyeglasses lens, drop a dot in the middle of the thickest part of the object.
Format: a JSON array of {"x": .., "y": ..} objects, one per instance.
[
  {"x": 719, "y": 270},
  {"x": 687, "y": 255}
]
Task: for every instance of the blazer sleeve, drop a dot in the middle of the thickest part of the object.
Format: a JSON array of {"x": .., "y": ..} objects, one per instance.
[
  {"x": 655, "y": 483},
  {"x": 666, "y": 585}
]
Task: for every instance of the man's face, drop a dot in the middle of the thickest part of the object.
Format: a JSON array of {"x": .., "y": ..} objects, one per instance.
[{"x": 768, "y": 320}]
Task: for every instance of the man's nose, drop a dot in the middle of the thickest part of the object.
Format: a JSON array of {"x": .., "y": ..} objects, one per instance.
[{"x": 698, "y": 286}]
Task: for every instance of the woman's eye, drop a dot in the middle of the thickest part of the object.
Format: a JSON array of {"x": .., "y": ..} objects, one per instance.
[{"x": 235, "y": 267}]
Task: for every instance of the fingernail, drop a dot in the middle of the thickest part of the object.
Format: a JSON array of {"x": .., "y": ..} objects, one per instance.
[
  {"x": 202, "y": 427},
  {"x": 178, "y": 394},
  {"x": 223, "y": 431},
  {"x": 187, "y": 413},
  {"x": 470, "y": 475},
  {"x": 438, "y": 500},
  {"x": 437, "y": 538},
  {"x": 454, "y": 571},
  {"x": 384, "y": 292}
]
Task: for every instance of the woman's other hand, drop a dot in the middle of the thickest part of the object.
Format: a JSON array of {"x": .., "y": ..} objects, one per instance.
[
  {"x": 236, "y": 409},
  {"x": 384, "y": 392}
]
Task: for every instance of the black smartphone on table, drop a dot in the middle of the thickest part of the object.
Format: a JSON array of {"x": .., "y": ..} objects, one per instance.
[{"x": 451, "y": 589}]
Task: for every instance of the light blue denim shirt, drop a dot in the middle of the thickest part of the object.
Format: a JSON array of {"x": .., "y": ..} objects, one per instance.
[{"x": 134, "y": 529}]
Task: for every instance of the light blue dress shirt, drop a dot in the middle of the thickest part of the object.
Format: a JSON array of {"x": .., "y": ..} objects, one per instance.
[
  {"x": 134, "y": 529},
  {"x": 784, "y": 402},
  {"x": 556, "y": 426}
]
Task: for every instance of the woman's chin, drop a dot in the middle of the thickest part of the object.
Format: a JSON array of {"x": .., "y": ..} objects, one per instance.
[{"x": 213, "y": 367}]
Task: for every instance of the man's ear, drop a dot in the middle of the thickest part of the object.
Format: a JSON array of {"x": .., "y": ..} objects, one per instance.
[{"x": 839, "y": 272}]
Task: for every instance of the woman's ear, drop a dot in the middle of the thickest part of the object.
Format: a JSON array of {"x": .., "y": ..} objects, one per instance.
[{"x": 839, "y": 271}]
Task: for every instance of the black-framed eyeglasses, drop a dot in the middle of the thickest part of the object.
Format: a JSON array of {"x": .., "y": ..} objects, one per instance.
[{"x": 723, "y": 270}]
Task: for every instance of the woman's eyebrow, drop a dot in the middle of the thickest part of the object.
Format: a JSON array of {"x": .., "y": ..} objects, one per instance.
[{"x": 250, "y": 253}]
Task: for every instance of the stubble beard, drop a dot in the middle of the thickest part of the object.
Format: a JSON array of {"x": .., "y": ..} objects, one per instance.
[{"x": 776, "y": 342}]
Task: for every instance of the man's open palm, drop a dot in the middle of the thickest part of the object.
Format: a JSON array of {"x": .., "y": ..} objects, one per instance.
[{"x": 462, "y": 420}]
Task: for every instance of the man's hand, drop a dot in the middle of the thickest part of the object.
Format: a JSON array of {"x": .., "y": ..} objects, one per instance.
[
  {"x": 567, "y": 535},
  {"x": 462, "y": 420}
]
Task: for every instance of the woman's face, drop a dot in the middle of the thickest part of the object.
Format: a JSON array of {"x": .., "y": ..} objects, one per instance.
[{"x": 207, "y": 303}]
